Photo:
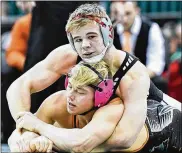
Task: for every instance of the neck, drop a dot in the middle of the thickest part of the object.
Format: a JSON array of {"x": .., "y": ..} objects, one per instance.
[
  {"x": 86, "y": 118},
  {"x": 112, "y": 58}
]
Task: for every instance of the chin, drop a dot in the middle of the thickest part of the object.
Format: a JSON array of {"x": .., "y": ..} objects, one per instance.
[{"x": 72, "y": 112}]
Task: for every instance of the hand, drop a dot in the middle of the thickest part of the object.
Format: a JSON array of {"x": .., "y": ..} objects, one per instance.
[
  {"x": 19, "y": 142},
  {"x": 41, "y": 144},
  {"x": 28, "y": 121}
]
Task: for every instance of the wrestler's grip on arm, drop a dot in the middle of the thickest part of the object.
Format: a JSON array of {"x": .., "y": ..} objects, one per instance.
[
  {"x": 27, "y": 141},
  {"x": 77, "y": 140},
  {"x": 41, "y": 144},
  {"x": 44, "y": 114},
  {"x": 19, "y": 141}
]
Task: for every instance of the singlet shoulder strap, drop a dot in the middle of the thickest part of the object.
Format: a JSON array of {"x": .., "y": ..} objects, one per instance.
[
  {"x": 128, "y": 62},
  {"x": 74, "y": 121}
]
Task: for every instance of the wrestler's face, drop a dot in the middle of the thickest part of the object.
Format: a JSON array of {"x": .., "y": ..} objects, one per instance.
[
  {"x": 79, "y": 100},
  {"x": 88, "y": 40}
]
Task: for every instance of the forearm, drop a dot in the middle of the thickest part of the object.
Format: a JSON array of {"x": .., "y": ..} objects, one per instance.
[
  {"x": 18, "y": 96},
  {"x": 74, "y": 140},
  {"x": 62, "y": 138},
  {"x": 127, "y": 129}
]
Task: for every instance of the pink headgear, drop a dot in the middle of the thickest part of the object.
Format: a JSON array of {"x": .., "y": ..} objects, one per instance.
[{"x": 103, "y": 91}]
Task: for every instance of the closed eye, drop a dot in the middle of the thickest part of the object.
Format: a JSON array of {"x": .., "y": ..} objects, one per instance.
[{"x": 81, "y": 93}]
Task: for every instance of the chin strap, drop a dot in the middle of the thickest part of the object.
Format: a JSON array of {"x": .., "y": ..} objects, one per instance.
[{"x": 96, "y": 58}]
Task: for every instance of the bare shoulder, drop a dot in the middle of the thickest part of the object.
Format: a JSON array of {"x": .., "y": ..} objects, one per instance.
[
  {"x": 55, "y": 103},
  {"x": 135, "y": 83},
  {"x": 53, "y": 107},
  {"x": 136, "y": 78},
  {"x": 61, "y": 59},
  {"x": 56, "y": 100},
  {"x": 115, "y": 105}
]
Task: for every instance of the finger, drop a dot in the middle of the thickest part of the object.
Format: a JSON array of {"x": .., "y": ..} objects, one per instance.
[
  {"x": 37, "y": 144},
  {"x": 20, "y": 146},
  {"x": 46, "y": 146},
  {"x": 32, "y": 145},
  {"x": 20, "y": 114},
  {"x": 49, "y": 149},
  {"x": 41, "y": 143},
  {"x": 27, "y": 146},
  {"x": 23, "y": 145}
]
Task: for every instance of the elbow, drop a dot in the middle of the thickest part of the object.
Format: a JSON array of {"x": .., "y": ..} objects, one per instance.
[
  {"x": 11, "y": 88},
  {"x": 8, "y": 92}
]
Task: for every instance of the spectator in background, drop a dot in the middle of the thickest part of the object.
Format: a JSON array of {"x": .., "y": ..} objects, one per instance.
[
  {"x": 174, "y": 73},
  {"x": 16, "y": 52},
  {"x": 13, "y": 59},
  {"x": 4, "y": 9},
  {"x": 141, "y": 37}
]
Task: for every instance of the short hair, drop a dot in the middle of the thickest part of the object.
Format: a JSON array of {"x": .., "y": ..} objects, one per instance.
[
  {"x": 81, "y": 75},
  {"x": 94, "y": 10},
  {"x": 135, "y": 4}
]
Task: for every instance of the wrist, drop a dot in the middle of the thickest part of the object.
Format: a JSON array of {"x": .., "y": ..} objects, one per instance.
[
  {"x": 17, "y": 116},
  {"x": 39, "y": 127}
]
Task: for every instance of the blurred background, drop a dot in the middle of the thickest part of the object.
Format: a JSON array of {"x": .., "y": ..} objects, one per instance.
[{"x": 151, "y": 30}]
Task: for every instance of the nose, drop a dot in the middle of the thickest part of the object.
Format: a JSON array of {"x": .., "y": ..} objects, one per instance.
[
  {"x": 71, "y": 97},
  {"x": 85, "y": 44},
  {"x": 125, "y": 19}
]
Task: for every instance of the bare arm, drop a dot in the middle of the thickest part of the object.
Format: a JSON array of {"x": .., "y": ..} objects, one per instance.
[
  {"x": 38, "y": 78},
  {"x": 80, "y": 140},
  {"x": 24, "y": 140},
  {"x": 134, "y": 88}
]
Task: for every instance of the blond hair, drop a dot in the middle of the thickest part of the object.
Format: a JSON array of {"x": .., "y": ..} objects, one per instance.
[
  {"x": 93, "y": 10},
  {"x": 81, "y": 75}
]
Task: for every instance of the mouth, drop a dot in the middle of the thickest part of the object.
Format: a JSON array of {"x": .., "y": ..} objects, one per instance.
[
  {"x": 88, "y": 55},
  {"x": 71, "y": 105}
]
